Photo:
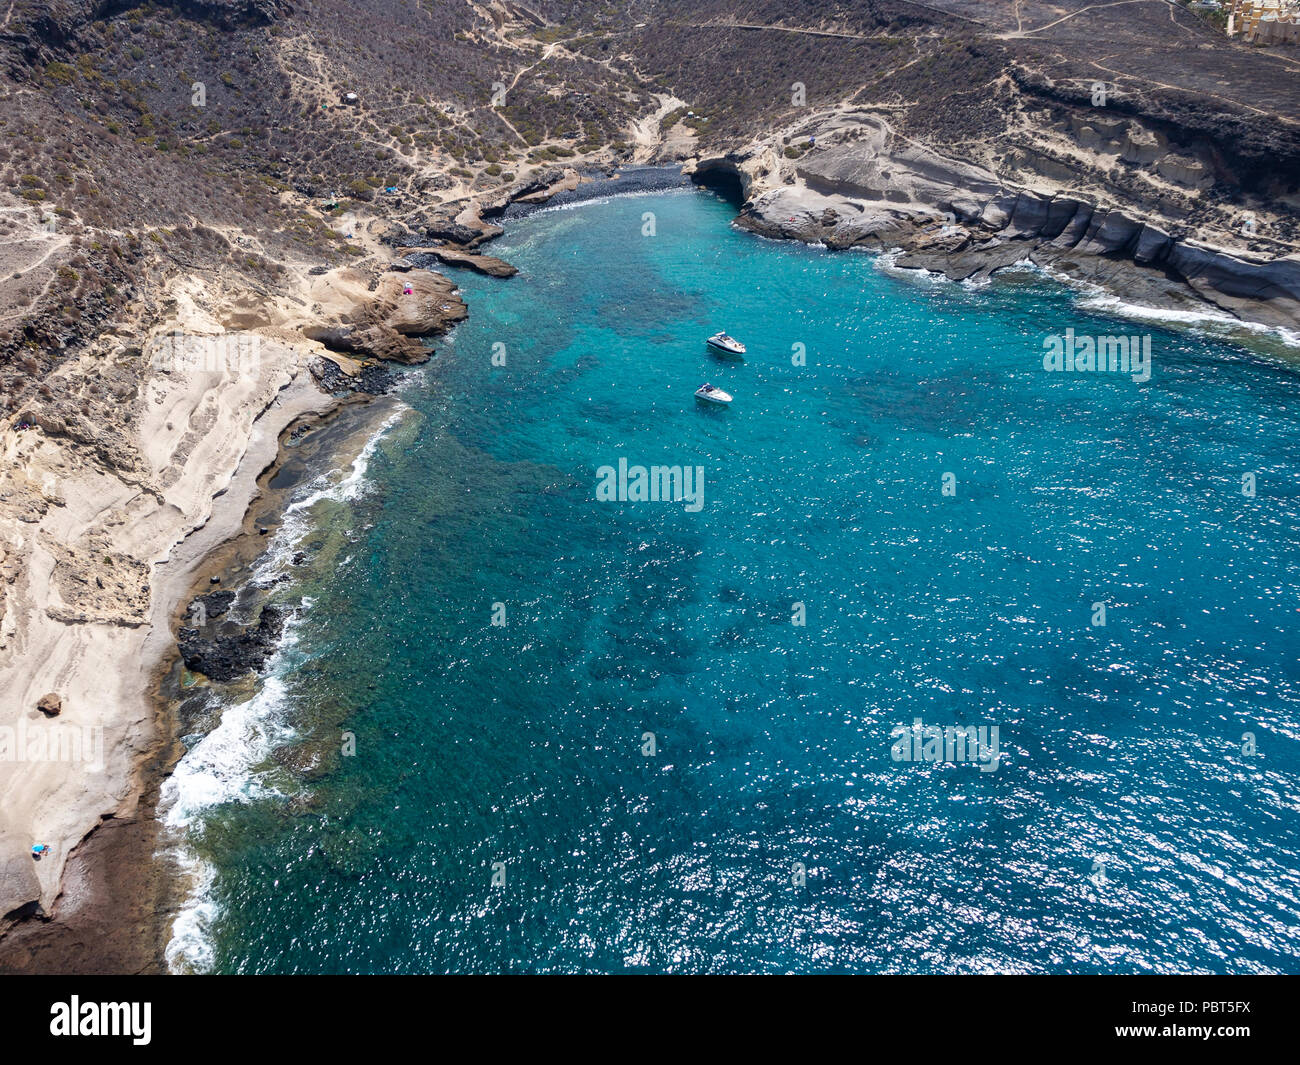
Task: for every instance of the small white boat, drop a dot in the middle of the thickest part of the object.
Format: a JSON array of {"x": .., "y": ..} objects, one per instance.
[
  {"x": 722, "y": 342},
  {"x": 710, "y": 394}
]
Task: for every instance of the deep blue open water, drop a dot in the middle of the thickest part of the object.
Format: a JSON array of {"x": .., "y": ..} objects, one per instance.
[{"x": 1142, "y": 814}]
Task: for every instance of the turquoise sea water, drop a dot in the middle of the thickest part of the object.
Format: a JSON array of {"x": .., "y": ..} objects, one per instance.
[{"x": 1128, "y": 826}]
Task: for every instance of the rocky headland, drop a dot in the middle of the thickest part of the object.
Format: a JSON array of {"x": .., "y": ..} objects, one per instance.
[{"x": 874, "y": 189}]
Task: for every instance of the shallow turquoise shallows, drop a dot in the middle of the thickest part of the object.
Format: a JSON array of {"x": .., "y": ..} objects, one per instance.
[{"x": 651, "y": 766}]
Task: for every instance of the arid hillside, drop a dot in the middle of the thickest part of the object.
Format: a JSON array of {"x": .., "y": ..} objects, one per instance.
[{"x": 140, "y": 140}]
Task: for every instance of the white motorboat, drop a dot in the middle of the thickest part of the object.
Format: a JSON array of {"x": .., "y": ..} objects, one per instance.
[
  {"x": 728, "y": 344},
  {"x": 710, "y": 394}
]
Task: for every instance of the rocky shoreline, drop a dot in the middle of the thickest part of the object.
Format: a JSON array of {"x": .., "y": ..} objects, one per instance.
[
  {"x": 119, "y": 889},
  {"x": 960, "y": 220},
  {"x": 319, "y": 349},
  {"x": 100, "y": 904}
]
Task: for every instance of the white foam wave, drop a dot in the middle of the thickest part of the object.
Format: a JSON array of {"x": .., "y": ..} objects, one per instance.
[
  {"x": 606, "y": 197},
  {"x": 887, "y": 263},
  {"x": 296, "y": 520},
  {"x": 1097, "y": 300},
  {"x": 1209, "y": 321},
  {"x": 190, "y": 947},
  {"x": 219, "y": 769},
  {"x": 216, "y": 770},
  {"x": 222, "y": 767}
]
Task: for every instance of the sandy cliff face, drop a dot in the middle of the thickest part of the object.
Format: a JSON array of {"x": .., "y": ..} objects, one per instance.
[
  {"x": 119, "y": 475},
  {"x": 82, "y": 548}
]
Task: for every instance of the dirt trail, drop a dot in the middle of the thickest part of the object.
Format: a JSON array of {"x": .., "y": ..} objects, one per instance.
[
  {"x": 1066, "y": 18},
  {"x": 775, "y": 29},
  {"x": 12, "y": 264},
  {"x": 546, "y": 54}
]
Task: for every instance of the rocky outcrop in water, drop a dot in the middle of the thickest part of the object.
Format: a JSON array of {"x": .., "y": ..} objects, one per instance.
[
  {"x": 373, "y": 341},
  {"x": 226, "y": 657},
  {"x": 423, "y": 258},
  {"x": 387, "y": 322},
  {"x": 538, "y": 185},
  {"x": 212, "y": 605},
  {"x": 368, "y": 379}
]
